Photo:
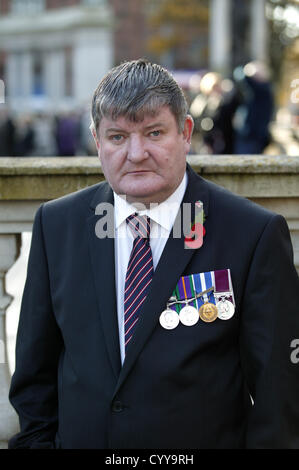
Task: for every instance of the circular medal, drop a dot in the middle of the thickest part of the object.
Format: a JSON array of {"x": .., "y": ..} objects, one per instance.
[
  {"x": 208, "y": 312},
  {"x": 169, "y": 319},
  {"x": 225, "y": 308},
  {"x": 189, "y": 315}
]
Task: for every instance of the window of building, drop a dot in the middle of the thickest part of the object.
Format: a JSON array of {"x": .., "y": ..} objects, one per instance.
[
  {"x": 18, "y": 91},
  {"x": 56, "y": 4},
  {"x": 2, "y": 64},
  {"x": 27, "y": 7},
  {"x": 94, "y": 2},
  {"x": 38, "y": 74},
  {"x": 68, "y": 64}
]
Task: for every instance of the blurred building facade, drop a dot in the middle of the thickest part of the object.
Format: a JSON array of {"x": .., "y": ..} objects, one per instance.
[{"x": 53, "y": 52}]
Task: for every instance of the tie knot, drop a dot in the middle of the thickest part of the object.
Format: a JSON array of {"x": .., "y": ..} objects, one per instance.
[{"x": 139, "y": 225}]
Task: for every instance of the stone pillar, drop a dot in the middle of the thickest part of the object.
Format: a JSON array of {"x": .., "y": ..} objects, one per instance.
[
  {"x": 27, "y": 78},
  {"x": 9, "y": 251},
  {"x": 55, "y": 76},
  {"x": 91, "y": 46},
  {"x": 12, "y": 75},
  {"x": 220, "y": 35},
  {"x": 258, "y": 31}
]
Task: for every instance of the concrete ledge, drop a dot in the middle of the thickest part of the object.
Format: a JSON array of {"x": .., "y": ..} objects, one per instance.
[
  {"x": 49, "y": 166},
  {"x": 48, "y": 178},
  {"x": 248, "y": 164},
  {"x": 204, "y": 164}
]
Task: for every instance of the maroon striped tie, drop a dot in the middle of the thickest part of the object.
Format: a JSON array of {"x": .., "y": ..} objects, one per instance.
[{"x": 139, "y": 273}]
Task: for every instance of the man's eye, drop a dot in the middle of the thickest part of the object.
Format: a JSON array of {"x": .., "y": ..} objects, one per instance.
[
  {"x": 116, "y": 138},
  {"x": 155, "y": 133}
]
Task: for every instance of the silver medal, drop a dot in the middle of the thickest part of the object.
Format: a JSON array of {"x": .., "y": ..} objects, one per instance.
[
  {"x": 225, "y": 308},
  {"x": 169, "y": 319},
  {"x": 189, "y": 315}
]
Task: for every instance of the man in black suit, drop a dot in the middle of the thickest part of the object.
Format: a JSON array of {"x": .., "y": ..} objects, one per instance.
[{"x": 196, "y": 352}]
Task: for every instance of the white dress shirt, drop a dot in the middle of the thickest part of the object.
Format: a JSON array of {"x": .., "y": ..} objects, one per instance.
[{"x": 162, "y": 219}]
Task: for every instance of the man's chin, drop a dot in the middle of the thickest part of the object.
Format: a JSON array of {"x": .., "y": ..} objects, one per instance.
[
  {"x": 142, "y": 189},
  {"x": 146, "y": 196},
  {"x": 143, "y": 198}
]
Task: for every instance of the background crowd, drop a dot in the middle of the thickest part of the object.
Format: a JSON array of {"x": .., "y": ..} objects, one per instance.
[
  {"x": 43, "y": 134},
  {"x": 231, "y": 115}
]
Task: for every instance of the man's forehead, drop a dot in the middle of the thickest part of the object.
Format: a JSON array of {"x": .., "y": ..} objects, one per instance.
[{"x": 143, "y": 118}]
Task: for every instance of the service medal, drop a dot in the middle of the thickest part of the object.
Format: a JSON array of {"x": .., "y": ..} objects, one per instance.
[
  {"x": 224, "y": 294},
  {"x": 169, "y": 319},
  {"x": 208, "y": 312},
  {"x": 189, "y": 315},
  {"x": 225, "y": 308}
]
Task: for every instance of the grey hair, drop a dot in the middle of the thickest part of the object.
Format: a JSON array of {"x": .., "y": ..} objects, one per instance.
[{"x": 135, "y": 89}]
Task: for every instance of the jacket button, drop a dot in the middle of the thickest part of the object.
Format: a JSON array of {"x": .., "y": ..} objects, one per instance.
[{"x": 117, "y": 406}]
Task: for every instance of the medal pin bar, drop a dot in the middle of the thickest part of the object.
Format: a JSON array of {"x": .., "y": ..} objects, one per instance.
[{"x": 169, "y": 319}]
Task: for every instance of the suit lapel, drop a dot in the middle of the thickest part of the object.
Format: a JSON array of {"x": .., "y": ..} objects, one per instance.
[
  {"x": 103, "y": 267},
  {"x": 172, "y": 264}
]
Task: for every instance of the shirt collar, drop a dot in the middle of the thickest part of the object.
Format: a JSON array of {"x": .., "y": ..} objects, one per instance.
[{"x": 163, "y": 213}]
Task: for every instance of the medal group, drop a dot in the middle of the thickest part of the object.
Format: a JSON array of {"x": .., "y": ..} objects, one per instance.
[{"x": 206, "y": 296}]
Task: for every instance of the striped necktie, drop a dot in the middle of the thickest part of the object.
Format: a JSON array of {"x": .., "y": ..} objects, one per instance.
[{"x": 139, "y": 273}]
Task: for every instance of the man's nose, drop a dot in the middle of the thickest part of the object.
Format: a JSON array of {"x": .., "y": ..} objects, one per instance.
[{"x": 136, "y": 149}]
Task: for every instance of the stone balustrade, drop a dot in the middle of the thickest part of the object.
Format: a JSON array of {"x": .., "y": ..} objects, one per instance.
[{"x": 272, "y": 181}]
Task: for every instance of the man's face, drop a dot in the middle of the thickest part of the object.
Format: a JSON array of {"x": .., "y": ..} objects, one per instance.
[{"x": 144, "y": 160}]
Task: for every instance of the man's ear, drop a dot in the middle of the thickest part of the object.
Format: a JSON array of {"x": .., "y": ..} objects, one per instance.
[
  {"x": 95, "y": 137},
  {"x": 188, "y": 128}
]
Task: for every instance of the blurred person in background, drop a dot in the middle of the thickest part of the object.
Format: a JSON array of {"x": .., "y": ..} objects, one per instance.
[
  {"x": 294, "y": 112},
  {"x": 7, "y": 134},
  {"x": 24, "y": 142},
  {"x": 254, "y": 114},
  {"x": 213, "y": 110},
  {"x": 67, "y": 134},
  {"x": 44, "y": 139}
]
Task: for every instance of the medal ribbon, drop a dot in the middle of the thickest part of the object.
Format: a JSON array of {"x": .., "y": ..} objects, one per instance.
[
  {"x": 207, "y": 282},
  {"x": 175, "y": 307},
  {"x": 223, "y": 283},
  {"x": 202, "y": 282},
  {"x": 198, "y": 288},
  {"x": 185, "y": 290}
]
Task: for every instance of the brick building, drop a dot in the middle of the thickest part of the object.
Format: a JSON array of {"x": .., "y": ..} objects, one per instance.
[{"x": 129, "y": 31}]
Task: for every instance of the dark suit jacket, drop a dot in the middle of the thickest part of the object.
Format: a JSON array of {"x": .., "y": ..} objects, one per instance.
[{"x": 190, "y": 387}]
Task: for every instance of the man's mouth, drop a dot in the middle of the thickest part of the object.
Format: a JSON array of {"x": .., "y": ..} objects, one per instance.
[{"x": 138, "y": 171}]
